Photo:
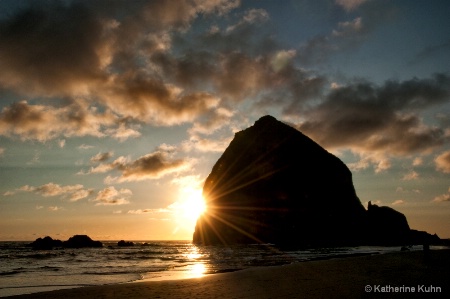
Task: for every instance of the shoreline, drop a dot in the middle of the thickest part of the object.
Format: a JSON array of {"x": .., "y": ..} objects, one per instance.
[{"x": 401, "y": 274}]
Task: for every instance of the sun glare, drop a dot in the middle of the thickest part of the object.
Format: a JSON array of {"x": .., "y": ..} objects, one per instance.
[{"x": 192, "y": 204}]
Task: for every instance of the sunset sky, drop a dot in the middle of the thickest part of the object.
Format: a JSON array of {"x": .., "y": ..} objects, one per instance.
[{"x": 112, "y": 113}]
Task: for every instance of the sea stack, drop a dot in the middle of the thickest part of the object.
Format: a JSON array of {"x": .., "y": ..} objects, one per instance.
[
  {"x": 81, "y": 241},
  {"x": 275, "y": 185}
]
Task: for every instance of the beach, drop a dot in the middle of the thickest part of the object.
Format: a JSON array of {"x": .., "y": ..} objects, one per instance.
[{"x": 396, "y": 275}]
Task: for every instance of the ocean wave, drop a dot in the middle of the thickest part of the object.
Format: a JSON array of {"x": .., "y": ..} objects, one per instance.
[
  {"x": 46, "y": 255},
  {"x": 144, "y": 252},
  {"x": 102, "y": 273},
  {"x": 106, "y": 265},
  {"x": 13, "y": 272},
  {"x": 51, "y": 268}
]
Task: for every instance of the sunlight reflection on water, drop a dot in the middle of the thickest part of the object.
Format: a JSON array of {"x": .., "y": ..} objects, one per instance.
[
  {"x": 198, "y": 270},
  {"x": 185, "y": 272},
  {"x": 25, "y": 270},
  {"x": 194, "y": 267}
]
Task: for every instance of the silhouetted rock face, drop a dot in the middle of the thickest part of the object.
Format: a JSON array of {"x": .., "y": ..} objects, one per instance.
[
  {"x": 123, "y": 243},
  {"x": 275, "y": 185},
  {"x": 77, "y": 241},
  {"x": 387, "y": 226},
  {"x": 46, "y": 243},
  {"x": 422, "y": 237},
  {"x": 81, "y": 241}
]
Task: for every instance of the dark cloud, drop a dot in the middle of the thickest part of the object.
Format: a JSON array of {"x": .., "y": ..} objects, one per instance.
[
  {"x": 238, "y": 76},
  {"x": 241, "y": 76},
  {"x": 58, "y": 48},
  {"x": 100, "y": 53},
  {"x": 212, "y": 121},
  {"x": 119, "y": 67},
  {"x": 75, "y": 118},
  {"x": 50, "y": 49},
  {"x": 120, "y": 61},
  {"x": 374, "y": 118},
  {"x": 150, "y": 100},
  {"x": 150, "y": 166}
]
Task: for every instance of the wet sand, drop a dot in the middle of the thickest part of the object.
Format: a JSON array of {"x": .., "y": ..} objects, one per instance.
[{"x": 394, "y": 275}]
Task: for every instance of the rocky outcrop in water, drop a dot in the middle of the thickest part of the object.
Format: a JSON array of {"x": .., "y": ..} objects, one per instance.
[
  {"x": 46, "y": 243},
  {"x": 81, "y": 241},
  {"x": 275, "y": 185},
  {"x": 77, "y": 241},
  {"x": 386, "y": 226},
  {"x": 123, "y": 243}
]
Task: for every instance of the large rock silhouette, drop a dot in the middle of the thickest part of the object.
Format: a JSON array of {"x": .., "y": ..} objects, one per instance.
[
  {"x": 77, "y": 241},
  {"x": 81, "y": 241},
  {"x": 275, "y": 185},
  {"x": 46, "y": 243},
  {"x": 386, "y": 226}
]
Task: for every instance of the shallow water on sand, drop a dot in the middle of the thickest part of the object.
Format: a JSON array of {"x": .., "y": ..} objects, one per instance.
[{"x": 25, "y": 271}]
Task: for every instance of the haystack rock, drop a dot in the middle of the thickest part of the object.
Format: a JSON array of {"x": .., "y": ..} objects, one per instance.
[{"x": 275, "y": 185}]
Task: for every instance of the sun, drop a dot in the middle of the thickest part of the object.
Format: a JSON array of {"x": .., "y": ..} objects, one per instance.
[{"x": 191, "y": 203}]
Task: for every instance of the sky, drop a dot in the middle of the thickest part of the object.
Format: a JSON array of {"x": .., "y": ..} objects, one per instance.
[{"x": 113, "y": 113}]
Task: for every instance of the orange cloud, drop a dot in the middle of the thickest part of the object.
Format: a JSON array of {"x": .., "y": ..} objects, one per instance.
[
  {"x": 87, "y": 51},
  {"x": 206, "y": 145},
  {"x": 111, "y": 196},
  {"x": 101, "y": 157},
  {"x": 147, "y": 211},
  {"x": 151, "y": 166},
  {"x": 411, "y": 176},
  {"x": 443, "y": 197},
  {"x": 42, "y": 122},
  {"x": 72, "y": 192},
  {"x": 150, "y": 100},
  {"x": 350, "y": 5},
  {"x": 55, "y": 208},
  {"x": 443, "y": 162}
]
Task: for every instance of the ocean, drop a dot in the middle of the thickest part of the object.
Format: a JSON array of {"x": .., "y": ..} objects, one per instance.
[{"x": 24, "y": 270}]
